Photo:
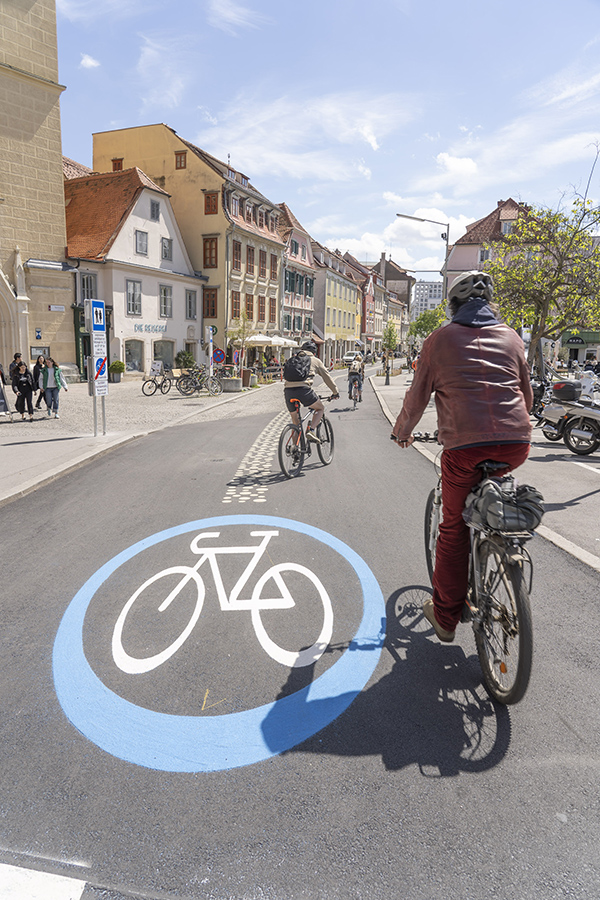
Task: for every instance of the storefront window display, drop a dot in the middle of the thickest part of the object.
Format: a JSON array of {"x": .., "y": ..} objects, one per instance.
[
  {"x": 134, "y": 356},
  {"x": 165, "y": 351}
]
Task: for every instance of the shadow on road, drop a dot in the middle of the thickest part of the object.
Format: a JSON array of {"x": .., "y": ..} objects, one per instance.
[{"x": 430, "y": 710}]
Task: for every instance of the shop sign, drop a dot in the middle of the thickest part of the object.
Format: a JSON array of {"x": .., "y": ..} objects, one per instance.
[{"x": 142, "y": 327}]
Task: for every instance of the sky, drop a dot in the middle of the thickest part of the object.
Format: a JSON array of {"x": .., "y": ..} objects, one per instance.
[{"x": 351, "y": 112}]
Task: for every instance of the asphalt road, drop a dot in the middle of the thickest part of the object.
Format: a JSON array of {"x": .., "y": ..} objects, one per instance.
[{"x": 180, "y": 753}]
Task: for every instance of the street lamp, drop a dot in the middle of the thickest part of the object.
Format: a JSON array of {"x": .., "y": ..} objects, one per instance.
[{"x": 445, "y": 235}]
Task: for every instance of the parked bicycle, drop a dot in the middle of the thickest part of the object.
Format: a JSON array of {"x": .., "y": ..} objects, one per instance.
[
  {"x": 501, "y": 519},
  {"x": 161, "y": 382},
  {"x": 197, "y": 379},
  {"x": 294, "y": 446}
]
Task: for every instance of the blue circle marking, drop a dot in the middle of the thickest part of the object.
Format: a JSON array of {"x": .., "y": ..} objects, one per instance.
[{"x": 212, "y": 743}]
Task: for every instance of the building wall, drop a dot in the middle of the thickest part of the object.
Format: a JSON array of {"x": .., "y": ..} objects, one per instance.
[{"x": 32, "y": 216}]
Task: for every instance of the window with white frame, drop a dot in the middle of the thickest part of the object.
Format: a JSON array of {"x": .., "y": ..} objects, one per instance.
[
  {"x": 190, "y": 305},
  {"x": 134, "y": 298},
  {"x": 155, "y": 210},
  {"x": 89, "y": 286},
  {"x": 166, "y": 301},
  {"x": 141, "y": 242},
  {"x": 166, "y": 248}
]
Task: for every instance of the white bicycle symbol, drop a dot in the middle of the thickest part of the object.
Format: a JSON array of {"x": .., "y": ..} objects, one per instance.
[{"x": 293, "y": 659}]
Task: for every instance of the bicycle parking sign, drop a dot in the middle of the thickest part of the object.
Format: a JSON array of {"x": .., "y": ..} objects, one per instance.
[{"x": 188, "y": 743}]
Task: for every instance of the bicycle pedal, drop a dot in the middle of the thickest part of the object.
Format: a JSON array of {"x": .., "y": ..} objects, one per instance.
[{"x": 467, "y": 614}]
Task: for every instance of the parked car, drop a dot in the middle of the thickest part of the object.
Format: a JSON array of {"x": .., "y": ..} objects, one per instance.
[{"x": 350, "y": 357}]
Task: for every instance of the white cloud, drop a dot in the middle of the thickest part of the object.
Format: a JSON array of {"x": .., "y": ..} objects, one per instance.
[
  {"x": 231, "y": 17},
  {"x": 320, "y": 138},
  {"x": 161, "y": 72},
  {"x": 88, "y": 10},
  {"x": 88, "y": 62}
]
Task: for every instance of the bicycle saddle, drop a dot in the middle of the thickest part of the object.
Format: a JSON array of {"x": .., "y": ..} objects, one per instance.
[{"x": 492, "y": 465}]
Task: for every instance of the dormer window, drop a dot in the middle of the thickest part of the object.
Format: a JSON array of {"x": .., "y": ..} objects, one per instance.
[
  {"x": 231, "y": 174},
  {"x": 244, "y": 180},
  {"x": 507, "y": 227},
  {"x": 117, "y": 165},
  {"x": 248, "y": 212},
  {"x": 294, "y": 247}
]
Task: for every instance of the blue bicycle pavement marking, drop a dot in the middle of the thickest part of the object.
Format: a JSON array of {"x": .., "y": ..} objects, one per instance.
[{"x": 174, "y": 743}]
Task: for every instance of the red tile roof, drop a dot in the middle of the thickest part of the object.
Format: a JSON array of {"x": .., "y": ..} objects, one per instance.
[
  {"x": 72, "y": 169},
  {"x": 97, "y": 207},
  {"x": 489, "y": 228}
]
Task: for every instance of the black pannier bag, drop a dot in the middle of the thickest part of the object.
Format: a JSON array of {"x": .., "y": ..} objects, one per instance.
[
  {"x": 502, "y": 505},
  {"x": 297, "y": 367},
  {"x": 567, "y": 390}
]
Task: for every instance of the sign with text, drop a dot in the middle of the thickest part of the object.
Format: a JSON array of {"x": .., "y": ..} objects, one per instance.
[{"x": 95, "y": 316}]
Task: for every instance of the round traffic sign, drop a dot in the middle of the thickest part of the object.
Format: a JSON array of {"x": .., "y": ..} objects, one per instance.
[
  {"x": 218, "y": 356},
  {"x": 207, "y": 742}
]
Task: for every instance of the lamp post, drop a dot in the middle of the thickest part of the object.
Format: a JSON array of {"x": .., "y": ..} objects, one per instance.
[{"x": 445, "y": 235}]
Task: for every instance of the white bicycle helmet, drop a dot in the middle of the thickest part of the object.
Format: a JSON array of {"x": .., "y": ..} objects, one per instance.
[{"x": 471, "y": 284}]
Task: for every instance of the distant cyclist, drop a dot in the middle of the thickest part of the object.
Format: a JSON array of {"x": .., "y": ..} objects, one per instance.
[
  {"x": 476, "y": 366},
  {"x": 299, "y": 373},
  {"x": 356, "y": 373}
]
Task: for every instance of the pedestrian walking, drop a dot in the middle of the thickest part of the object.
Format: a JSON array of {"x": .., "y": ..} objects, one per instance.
[
  {"x": 37, "y": 380},
  {"x": 52, "y": 380},
  {"x": 22, "y": 385},
  {"x": 14, "y": 366}
]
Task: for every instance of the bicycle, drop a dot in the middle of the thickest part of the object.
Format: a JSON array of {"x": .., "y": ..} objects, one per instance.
[
  {"x": 497, "y": 602},
  {"x": 162, "y": 381},
  {"x": 196, "y": 379},
  {"x": 294, "y": 446},
  {"x": 233, "y": 602},
  {"x": 355, "y": 392}
]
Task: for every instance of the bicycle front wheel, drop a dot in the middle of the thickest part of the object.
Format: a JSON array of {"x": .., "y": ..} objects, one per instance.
[
  {"x": 214, "y": 386},
  {"x": 149, "y": 387},
  {"x": 325, "y": 448},
  {"x": 165, "y": 386},
  {"x": 186, "y": 385},
  {"x": 503, "y": 629},
  {"x": 291, "y": 457},
  {"x": 432, "y": 527}
]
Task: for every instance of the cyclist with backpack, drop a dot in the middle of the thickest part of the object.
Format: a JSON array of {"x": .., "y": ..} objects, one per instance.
[
  {"x": 356, "y": 373},
  {"x": 299, "y": 372}
]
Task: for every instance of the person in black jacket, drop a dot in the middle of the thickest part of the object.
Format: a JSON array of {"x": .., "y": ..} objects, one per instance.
[
  {"x": 37, "y": 380},
  {"x": 22, "y": 385}
]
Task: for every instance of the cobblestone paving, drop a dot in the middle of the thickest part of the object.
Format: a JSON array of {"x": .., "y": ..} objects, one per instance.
[{"x": 127, "y": 409}]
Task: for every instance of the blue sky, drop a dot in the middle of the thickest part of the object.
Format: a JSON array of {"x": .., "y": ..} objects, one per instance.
[{"x": 351, "y": 112}]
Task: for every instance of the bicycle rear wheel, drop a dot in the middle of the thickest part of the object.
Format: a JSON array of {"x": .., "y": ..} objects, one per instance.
[
  {"x": 291, "y": 457},
  {"x": 214, "y": 386},
  {"x": 432, "y": 526},
  {"x": 502, "y": 626},
  {"x": 325, "y": 448},
  {"x": 165, "y": 386},
  {"x": 149, "y": 387}
]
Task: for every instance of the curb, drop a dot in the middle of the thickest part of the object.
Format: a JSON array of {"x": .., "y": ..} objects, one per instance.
[{"x": 117, "y": 441}]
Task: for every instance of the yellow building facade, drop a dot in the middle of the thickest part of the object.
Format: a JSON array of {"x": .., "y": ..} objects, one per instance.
[
  {"x": 36, "y": 286},
  {"x": 228, "y": 227}
]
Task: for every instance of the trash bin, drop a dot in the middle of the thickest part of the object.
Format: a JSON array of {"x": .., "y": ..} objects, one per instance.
[{"x": 246, "y": 373}]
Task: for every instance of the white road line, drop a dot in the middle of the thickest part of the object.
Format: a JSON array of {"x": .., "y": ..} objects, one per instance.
[
  {"x": 578, "y": 552},
  {"x": 586, "y": 466},
  {"x": 26, "y": 884}
]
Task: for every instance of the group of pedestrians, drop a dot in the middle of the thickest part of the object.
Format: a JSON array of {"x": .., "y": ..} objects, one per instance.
[{"x": 46, "y": 380}]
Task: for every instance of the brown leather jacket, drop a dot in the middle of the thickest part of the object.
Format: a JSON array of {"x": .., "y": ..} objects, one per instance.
[{"x": 482, "y": 388}]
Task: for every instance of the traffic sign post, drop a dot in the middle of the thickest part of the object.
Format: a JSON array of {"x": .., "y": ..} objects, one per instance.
[
  {"x": 209, "y": 341},
  {"x": 95, "y": 321}
]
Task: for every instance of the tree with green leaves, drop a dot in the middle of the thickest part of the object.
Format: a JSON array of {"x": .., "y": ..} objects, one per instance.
[
  {"x": 390, "y": 341},
  {"x": 240, "y": 334},
  {"x": 427, "y": 322},
  {"x": 546, "y": 271}
]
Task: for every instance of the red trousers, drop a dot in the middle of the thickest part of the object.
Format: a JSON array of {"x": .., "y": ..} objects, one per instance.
[{"x": 459, "y": 477}]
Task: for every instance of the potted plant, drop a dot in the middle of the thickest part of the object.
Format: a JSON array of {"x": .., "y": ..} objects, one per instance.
[{"x": 115, "y": 370}]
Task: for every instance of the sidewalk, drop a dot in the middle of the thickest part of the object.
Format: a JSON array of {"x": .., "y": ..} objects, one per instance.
[{"x": 34, "y": 453}]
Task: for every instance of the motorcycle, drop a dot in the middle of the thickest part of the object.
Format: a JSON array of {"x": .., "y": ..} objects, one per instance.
[{"x": 574, "y": 419}]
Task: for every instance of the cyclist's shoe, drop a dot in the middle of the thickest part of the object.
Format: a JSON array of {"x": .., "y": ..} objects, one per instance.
[
  {"x": 360, "y": 398},
  {"x": 446, "y": 636},
  {"x": 311, "y": 435}
]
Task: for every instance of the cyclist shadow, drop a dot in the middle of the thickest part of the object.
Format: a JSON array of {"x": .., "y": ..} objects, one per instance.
[{"x": 429, "y": 710}]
